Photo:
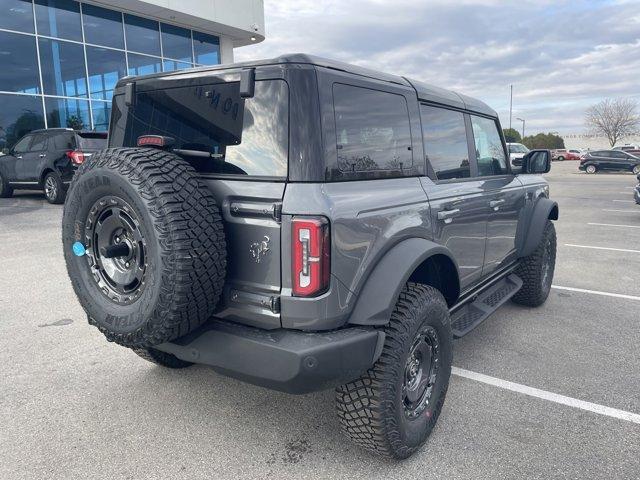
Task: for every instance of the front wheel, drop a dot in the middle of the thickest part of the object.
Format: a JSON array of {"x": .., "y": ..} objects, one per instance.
[
  {"x": 636, "y": 170},
  {"x": 393, "y": 407},
  {"x": 5, "y": 189},
  {"x": 591, "y": 169},
  {"x": 561, "y": 158},
  {"x": 536, "y": 270},
  {"x": 54, "y": 190}
]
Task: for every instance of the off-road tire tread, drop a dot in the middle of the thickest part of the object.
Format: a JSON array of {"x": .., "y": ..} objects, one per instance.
[
  {"x": 529, "y": 270},
  {"x": 187, "y": 221},
  {"x": 365, "y": 406},
  {"x": 163, "y": 359}
]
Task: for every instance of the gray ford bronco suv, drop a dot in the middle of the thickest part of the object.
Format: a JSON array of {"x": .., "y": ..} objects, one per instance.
[{"x": 304, "y": 224}]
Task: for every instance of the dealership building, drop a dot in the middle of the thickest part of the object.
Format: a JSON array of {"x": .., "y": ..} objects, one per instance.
[{"x": 60, "y": 59}]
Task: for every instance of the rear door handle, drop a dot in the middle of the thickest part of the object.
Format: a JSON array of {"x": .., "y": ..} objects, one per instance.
[
  {"x": 495, "y": 204},
  {"x": 447, "y": 215},
  {"x": 42, "y": 155}
]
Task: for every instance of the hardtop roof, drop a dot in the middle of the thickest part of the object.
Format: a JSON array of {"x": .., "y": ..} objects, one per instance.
[{"x": 425, "y": 91}]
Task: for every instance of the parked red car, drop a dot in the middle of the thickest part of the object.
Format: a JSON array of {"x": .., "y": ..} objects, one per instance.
[{"x": 563, "y": 154}]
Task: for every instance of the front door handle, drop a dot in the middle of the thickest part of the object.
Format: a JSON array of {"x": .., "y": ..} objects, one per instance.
[
  {"x": 447, "y": 215},
  {"x": 19, "y": 157},
  {"x": 42, "y": 155},
  {"x": 495, "y": 204}
]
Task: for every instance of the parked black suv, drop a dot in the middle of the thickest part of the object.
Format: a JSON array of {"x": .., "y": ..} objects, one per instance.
[
  {"x": 610, "y": 160},
  {"x": 305, "y": 224},
  {"x": 47, "y": 160}
]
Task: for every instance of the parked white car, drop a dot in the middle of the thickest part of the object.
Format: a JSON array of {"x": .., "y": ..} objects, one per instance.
[{"x": 516, "y": 152}]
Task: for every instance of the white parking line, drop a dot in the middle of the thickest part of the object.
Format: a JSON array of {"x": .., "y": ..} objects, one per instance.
[
  {"x": 624, "y": 201},
  {"x": 596, "y": 292},
  {"x": 602, "y": 248},
  {"x": 549, "y": 396},
  {"x": 614, "y": 225},
  {"x": 621, "y": 211}
]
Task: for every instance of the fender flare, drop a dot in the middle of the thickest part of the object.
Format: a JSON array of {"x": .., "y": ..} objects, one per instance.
[
  {"x": 544, "y": 210},
  {"x": 379, "y": 295}
]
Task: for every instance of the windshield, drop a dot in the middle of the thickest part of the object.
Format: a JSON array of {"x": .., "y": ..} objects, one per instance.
[
  {"x": 206, "y": 120},
  {"x": 518, "y": 148}
]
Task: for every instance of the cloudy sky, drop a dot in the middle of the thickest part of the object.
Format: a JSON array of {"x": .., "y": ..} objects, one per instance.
[{"x": 560, "y": 56}]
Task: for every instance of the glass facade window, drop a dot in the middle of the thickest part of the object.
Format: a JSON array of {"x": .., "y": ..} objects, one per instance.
[
  {"x": 19, "y": 115},
  {"x": 172, "y": 65},
  {"x": 71, "y": 83},
  {"x": 143, "y": 35},
  {"x": 105, "y": 66},
  {"x": 143, "y": 65},
  {"x": 176, "y": 43},
  {"x": 18, "y": 63},
  {"x": 102, "y": 26},
  {"x": 68, "y": 113},
  {"x": 16, "y": 15},
  {"x": 63, "y": 68},
  {"x": 206, "y": 49},
  {"x": 59, "y": 18}
]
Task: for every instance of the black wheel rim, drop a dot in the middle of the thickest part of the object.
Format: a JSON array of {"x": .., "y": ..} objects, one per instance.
[
  {"x": 116, "y": 250},
  {"x": 421, "y": 372},
  {"x": 50, "y": 188}
]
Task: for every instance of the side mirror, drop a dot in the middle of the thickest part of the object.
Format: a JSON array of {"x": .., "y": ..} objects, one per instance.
[{"x": 536, "y": 162}]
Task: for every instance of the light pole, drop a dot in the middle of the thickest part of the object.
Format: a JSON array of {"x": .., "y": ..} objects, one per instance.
[
  {"x": 522, "y": 120},
  {"x": 510, "y": 106}
]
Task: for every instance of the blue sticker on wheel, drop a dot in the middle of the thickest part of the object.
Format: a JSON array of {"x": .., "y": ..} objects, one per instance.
[{"x": 78, "y": 249}]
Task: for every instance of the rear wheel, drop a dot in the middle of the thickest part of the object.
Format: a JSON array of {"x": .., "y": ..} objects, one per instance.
[
  {"x": 591, "y": 169},
  {"x": 636, "y": 170},
  {"x": 391, "y": 409},
  {"x": 561, "y": 158},
  {"x": 5, "y": 189},
  {"x": 53, "y": 188},
  {"x": 144, "y": 245}
]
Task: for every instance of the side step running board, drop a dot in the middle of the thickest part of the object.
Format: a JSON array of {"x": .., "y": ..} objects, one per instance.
[{"x": 473, "y": 314}]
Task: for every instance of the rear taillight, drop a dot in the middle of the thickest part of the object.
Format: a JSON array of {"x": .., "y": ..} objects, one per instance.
[
  {"x": 76, "y": 157},
  {"x": 311, "y": 256}
]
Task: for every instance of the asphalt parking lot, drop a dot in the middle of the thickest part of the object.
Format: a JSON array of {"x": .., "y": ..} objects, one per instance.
[{"x": 75, "y": 406}]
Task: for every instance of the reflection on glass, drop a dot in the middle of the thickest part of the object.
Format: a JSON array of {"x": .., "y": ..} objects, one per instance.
[
  {"x": 489, "y": 151},
  {"x": 176, "y": 43},
  {"x": 16, "y": 15},
  {"x": 199, "y": 122},
  {"x": 102, "y": 26},
  {"x": 67, "y": 113},
  {"x": 105, "y": 68},
  {"x": 206, "y": 49},
  {"x": 59, "y": 18},
  {"x": 63, "y": 69},
  {"x": 19, "y": 115},
  {"x": 19, "y": 72},
  {"x": 101, "y": 115},
  {"x": 143, "y": 65},
  {"x": 372, "y": 129},
  {"x": 143, "y": 35},
  {"x": 445, "y": 142},
  {"x": 172, "y": 65}
]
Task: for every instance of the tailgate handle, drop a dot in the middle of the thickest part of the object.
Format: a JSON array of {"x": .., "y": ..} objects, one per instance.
[{"x": 242, "y": 209}]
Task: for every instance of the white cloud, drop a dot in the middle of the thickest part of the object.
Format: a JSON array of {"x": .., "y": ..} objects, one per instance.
[{"x": 561, "y": 56}]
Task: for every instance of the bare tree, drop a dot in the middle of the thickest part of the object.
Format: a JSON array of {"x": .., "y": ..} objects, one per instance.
[{"x": 614, "y": 118}]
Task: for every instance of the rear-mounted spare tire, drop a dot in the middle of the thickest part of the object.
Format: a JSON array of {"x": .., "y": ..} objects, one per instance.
[{"x": 144, "y": 245}]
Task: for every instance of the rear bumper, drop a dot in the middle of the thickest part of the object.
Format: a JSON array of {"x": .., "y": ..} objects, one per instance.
[{"x": 285, "y": 360}]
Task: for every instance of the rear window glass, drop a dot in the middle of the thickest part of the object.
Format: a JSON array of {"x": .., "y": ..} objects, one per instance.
[
  {"x": 92, "y": 142},
  {"x": 445, "y": 142},
  {"x": 372, "y": 129},
  {"x": 63, "y": 141},
  {"x": 181, "y": 114}
]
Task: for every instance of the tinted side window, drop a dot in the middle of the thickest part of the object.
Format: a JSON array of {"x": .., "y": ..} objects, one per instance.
[
  {"x": 39, "y": 143},
  {"x": 372, "y": 129},
  {"x": 23, "y": 145},
  {"x": 489, "y": 152},
  {"x": 445, "y": 142},
  {"x": 63, "y": 141}
]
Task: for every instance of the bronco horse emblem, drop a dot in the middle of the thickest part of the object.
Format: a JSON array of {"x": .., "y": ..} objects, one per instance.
[{"x": 259, "y": 249}]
